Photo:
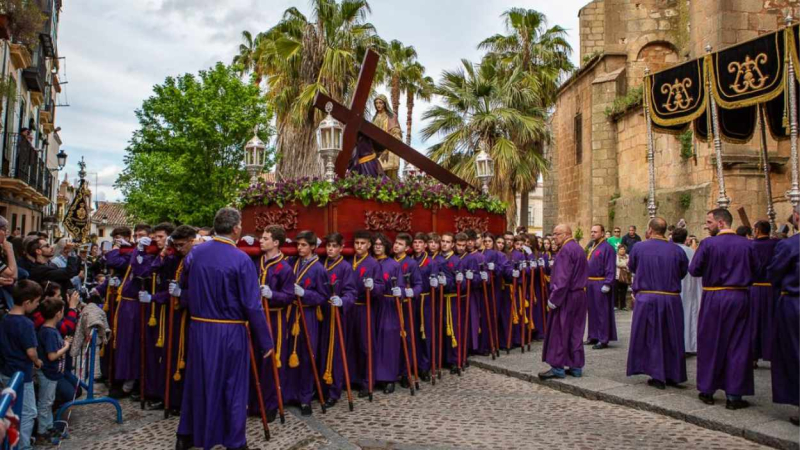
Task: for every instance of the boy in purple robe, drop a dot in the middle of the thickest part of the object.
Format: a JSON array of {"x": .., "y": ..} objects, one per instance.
[
  {"x": 492, "y": 267},
  {"x": 311, "y": 288},
  {"x": 784, "y": 273},
  {"x": 276, "y": 280},
  {"x": 727, "y": 263},
  {"x": 563, "y": 346},
  {"x": 423, "y": 309},
  {"x": 450, "y": 270},
  {"x": 154, "y": 296},
  {"x": 220, "y": 286},
  {"x": 367, "y": 277},
  {"x": 762, "y": 297},
  {"x": 412, "y": 288},
  {"x": 471, "y": 262},
  {"x": 656, "y": 345},
  {"x": 387, "y": 322},
  {"x": 510, "y": 316},
  {"x": 342, "y": 295},
  {"x": 535, "y": 290},
  {"x": 602, "y": 272}
]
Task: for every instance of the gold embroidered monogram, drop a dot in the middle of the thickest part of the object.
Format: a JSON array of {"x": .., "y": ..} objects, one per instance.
[
  {"x": 748, "y": 74},
  {"x": 678, "y": 95}
]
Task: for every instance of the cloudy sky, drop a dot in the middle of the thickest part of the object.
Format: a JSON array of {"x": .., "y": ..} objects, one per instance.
[{"x": 116, "y": 50}]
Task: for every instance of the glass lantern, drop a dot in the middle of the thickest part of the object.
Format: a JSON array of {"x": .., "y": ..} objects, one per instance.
[
  {"x": 329, "y": 142},
  {"x": 254, "y": 152},
  {"x": 484, "y": 167}
]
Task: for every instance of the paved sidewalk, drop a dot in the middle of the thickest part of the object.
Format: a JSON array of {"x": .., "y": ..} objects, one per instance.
[{"x": 604, "y": 379}]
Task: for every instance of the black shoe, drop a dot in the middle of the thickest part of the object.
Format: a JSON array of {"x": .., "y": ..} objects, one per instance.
[
  {"x": 657, "y": 384},
  {"x": 155, "y": 406},
  {"x": 599, "y": 346},
  {"x": 330, "y": 402},
  {"x": 671, "y": 383},
  {"x": 135, "y": 396},
  {"x": 708, "y": 399},
  {"x": 305, "y": 410},
  {"x": 117, "y": 393},
  {"x": 404, "y": 383},
  {"x": 425, "y": 376},
  {"x": 363, "y": 393},
  {"x": 736, "y": 404},
  {"x": 184, "y": 442},
  {"x": 795, "y": 420},
  {"x": 389, "y": 388},
  {"x": 453, "y": 370},
  {"x": 590, "y": 342},
  {"x": 548, "y": 375},
  {"x": 271, "y": 415}
]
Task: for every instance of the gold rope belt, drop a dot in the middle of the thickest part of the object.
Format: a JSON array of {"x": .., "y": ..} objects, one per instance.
[
  {"x": 659, "y": 293},
  {"x": 762, "y": 284},
  {"x": 366, "y": 159},
  {"x": 597, "y": 279},
  {"x": 219, "y": 321},
  {"x": 725, "y": 288}
]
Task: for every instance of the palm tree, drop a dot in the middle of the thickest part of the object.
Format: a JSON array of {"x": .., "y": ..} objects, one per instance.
[
  {"x": 301, "y": 56},
  {"x": 480, "y": 108},
  {"x": 417, "y": 85},
  {"x": 400, "y": 62},
  {"x": 539, "y": 54},
  {"x": 246, "y": 60}
]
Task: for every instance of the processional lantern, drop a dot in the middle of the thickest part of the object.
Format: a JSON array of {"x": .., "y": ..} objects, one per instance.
[
  {"x": 484, "y": 167},
  {"x": 62, "y": 159},
  {"x": 329, "y": 142},
  {"x": 254, "y": 153}
]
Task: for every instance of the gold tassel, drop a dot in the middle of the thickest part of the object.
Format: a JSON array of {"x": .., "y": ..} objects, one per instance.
[
  {"x": 152, "y": 321},
  {"x": 294, "y": 361},
  {"x": 102, "y": 351},
  {"x": 105, "y": 305},
  {"x": 422, "y": 318},
  {"x": 320, "y": 317},
  {"x": 181, "y": 350},
  {"x": 160, "y": 342},
  {"x": 280, "y": 340},
  {"x": 328, "y": 375}
]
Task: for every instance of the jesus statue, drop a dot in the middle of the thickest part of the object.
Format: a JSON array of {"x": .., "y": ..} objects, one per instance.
[{"x": 364, "y": 160}]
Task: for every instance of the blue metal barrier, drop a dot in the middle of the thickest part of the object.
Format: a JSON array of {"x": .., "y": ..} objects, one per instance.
[{"x": 7, "y": 399}]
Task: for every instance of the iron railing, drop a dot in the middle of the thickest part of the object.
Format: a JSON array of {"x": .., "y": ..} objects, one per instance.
[{"x": 28, "y": 166}]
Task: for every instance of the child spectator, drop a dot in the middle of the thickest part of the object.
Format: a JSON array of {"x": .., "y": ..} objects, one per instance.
[
  {"x": 52, "y": 349},
  {"x": 70, "y": 320},
  {"x": 18, "y": 352}
]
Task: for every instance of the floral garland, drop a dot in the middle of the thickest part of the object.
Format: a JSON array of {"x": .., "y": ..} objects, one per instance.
[{"x": 417, "y": 191}]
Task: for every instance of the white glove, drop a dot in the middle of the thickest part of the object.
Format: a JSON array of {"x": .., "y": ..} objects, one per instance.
[
  {"x": 409, "y": 292},
  {"x": 114, "y": 282},
  {"x": 266, "y": 292},
  {"x": 469, "y": 275},
  {"x": 368, "y": 283},
  {"x": 145, "y": 297},
  {"x": 336, "y": 301},
  {"x": 94, "y": 293},
  {"x": 442, "y": 280},
  {"x": 484, "y": 276},
  {"x": 550, "y": 305},
  {"x": 434, "y": 281},
  {"x": 298, "y": 291},
  {"x": 541, "y": 262},
  {"x": 123, "y": 243},
  {"x": 206, "y": 238},
  {"x": 490, "y": 265},
  {"x": 143, "y": 242},
  {"x": 396, "y": 292},
  {"x": 459, "y": 277},
  {"x": 605, "y": 289},
  {"x": 174, "y": 289},
  {"x": 534, "y": 264},
  {"x": 523, "y": 264},
  {"x": 515, "y": 273},
  {"x": 249, "y": 240}
]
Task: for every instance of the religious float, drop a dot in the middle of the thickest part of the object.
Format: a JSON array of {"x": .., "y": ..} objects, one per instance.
[{"x": 345, "y": 200}]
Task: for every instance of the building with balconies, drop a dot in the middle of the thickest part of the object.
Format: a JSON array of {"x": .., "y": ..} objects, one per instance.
[{"x": 29, "y": 139}]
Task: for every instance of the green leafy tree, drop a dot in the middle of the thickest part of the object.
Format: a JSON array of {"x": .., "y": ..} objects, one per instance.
[
  {"x": 186, "y": 159},
  {"x": 400, "y": 63},
  {"x": 246, "y": 61},
  {"x": 416, "y": 85}
]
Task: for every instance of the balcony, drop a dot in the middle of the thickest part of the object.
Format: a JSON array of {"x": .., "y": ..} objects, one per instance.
[
  {"x": 47, "y": 116},
  {"x": 28, "y": 177},
  {"x": 36, "y": 75},
  {"x": 20, "y": 56}
]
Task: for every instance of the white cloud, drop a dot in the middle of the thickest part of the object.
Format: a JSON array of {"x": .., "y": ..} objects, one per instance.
[{"x": 117, "y": 50}]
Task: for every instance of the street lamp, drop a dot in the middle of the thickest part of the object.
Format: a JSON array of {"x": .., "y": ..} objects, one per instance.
[
  {"x": 484, "y": 167},
  {"x": 410, "y": 171},
  {"x": 62, "y": 159},
  {"x": 329, "y": 142},
  {"x": 254, "y": 156}
]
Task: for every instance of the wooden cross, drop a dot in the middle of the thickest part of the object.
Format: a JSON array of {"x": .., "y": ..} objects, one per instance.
[{"x": 355, "y": 123}]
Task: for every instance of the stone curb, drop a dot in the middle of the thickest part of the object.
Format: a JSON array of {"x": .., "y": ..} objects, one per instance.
[{"x": 754, "y": 436}]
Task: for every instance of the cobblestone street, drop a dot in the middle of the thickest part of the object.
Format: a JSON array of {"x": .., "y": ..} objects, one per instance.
[{"x": 479, "y": 410}]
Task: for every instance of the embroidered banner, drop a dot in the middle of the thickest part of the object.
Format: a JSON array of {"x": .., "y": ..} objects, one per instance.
[
  {"x": 676, "y": 96},
  {"x": 736, "y": 126},
  {"x": 76, "y": 220},
  {"x": 749, "y": 73}
]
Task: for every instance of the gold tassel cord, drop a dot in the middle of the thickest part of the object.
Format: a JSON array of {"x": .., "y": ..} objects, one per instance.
[
  {"x": 152, "y": 321},
  {"x": 328, "y": 375},
  {"x": 422, "y": 316},
  {"x": 119, "y": 303},
  {"x": 450, "y": 332},
  {"x": 514, "y": 316},
  {"x": 181, "y": 349},
  {"x": 294, "y": 360},
  {"x": 279, "y": 340},
  {"x": 320, "y": 317},
  {"x": 162, "y": 322}
]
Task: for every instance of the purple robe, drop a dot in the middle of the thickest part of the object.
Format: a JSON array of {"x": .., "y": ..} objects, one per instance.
[
  {"x": 342, "y": 278},
  {"x": 356, "y": 320},
  {"x": 409, "y": 270},
  {"x": 536, "y": 310},
  {"x": 487, "y": 317},
  {"x": 784, "y": 273},
  {"x": 602, "y": 272},
  {"x": 726, "y": 263},
  {"x": 278, "y": 275},
  {"x": 656, "y": 346},
  {"x": 563, "y": 344},
  {"x": 299, "y": 386},
  {"x": 387, "y": 325},
  {"x": 423, "y": 311},
  {"x": 471, "y": 261},
  {"x": 507, "y": 315},
  {"x": 364, "y": 160},
  {"x": 126, "y": 325},
  {"x": 450, "y": 266},
  {"x": 762, "y": 299},
  {"x": 221, "y": 285}
]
